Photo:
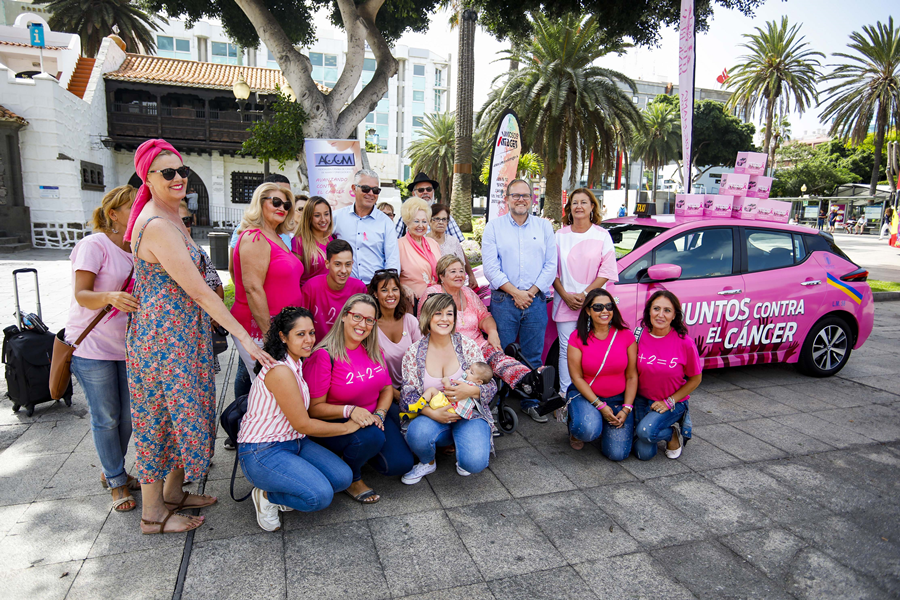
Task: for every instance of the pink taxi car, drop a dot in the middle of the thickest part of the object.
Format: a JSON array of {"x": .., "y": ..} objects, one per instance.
[{"x": 752, "y": 292}]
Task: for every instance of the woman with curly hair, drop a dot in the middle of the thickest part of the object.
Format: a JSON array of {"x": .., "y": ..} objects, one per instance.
[
  {"x": 287, "y": 469},
  {"x": 669, "y": 369}
]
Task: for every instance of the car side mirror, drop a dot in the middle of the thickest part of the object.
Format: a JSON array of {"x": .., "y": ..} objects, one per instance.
[{"x": 663, "y": 272}]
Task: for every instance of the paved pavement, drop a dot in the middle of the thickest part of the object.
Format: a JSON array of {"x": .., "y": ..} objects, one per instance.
[{"x": 789, "y": 489}]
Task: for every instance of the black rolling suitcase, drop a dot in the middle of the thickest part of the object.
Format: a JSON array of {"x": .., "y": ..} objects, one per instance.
[{"x": 27, "y": 350}]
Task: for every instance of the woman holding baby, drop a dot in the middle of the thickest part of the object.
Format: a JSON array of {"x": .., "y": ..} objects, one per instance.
[{"x": 446, "y": 361}]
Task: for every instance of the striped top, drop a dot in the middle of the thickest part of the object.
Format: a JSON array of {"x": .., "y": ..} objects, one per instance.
[{"x": 264, "y": 421}]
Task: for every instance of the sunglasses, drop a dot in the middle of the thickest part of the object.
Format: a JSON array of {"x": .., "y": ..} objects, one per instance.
[
  {"x": 358, "y": 318},
  {"x": 365, "y": 189},
  {"x": 600, "y": 307},
  {"x": 169, "y": 174},
  {"x": 278, "y": 202},
  {"x": 385, "y": 272},
  {"x": 188, "y": 221},
  {"x": 425, "y": 190}
]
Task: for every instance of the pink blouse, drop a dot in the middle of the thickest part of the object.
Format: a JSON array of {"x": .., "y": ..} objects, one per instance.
[
  {"x": 466, "y": 320},
  {"x": 264, "y": 420},
  {"x": 393, "y": 353},
  {"x": 415, "y": 271}
]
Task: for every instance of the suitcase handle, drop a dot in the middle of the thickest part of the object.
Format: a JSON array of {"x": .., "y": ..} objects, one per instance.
[{"x": 37, "y": 293}]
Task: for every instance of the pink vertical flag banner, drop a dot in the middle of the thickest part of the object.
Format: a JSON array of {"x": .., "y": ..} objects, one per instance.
[
  {"x": 686, "y": 54},
  {"x": 504, "y": 163}
]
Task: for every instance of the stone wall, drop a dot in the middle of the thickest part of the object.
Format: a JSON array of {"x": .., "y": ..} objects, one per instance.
[{"x": 57, "y": 235}]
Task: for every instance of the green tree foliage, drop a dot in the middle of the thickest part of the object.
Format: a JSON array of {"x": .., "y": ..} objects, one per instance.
[
  {"x": 818, "y": 168},
  {"x": 280, "y": 138},
  {"x": 866, "y": 86},
  {"x": 780, "y": 68},
  {"x": 660, "y": 140},
  {"x": 93, "y": 20}
]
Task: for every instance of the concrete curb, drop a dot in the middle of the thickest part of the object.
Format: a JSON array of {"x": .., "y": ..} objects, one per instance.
[{"x": 885, "y": 296}]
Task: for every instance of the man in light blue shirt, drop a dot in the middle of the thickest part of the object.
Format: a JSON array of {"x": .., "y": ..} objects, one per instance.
[
  {"x": 370, "y": 232},
  {"x": 519, "y": 257}
]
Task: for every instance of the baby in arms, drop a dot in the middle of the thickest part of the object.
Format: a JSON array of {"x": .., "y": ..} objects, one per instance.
[{"x": 478, "y": 374}]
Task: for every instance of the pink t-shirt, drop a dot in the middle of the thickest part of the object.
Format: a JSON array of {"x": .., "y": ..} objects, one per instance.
[
  {"x": 582, "y": 258},
  {"x": 264, "y": 420},
  {"x": 326, "y": 304},
  {"x": 99, "y": 255},
  {"x": 358, "y": 382},
  {"x": 316, "y": 262},
  {"x": 611, "y": 380},
  {"x": 664, "y": 364},
  {"x": 393, "y": 353},
  {"x": 466, "y": 320}
]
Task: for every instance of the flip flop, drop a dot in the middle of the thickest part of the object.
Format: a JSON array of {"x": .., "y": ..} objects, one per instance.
[
  {"x": 209, "y": 501},
  {"x": 162, "y": 525},
  {"x": 364, "y": 497}
]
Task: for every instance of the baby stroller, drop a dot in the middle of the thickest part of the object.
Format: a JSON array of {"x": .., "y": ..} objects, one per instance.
[{"x": 547, "y": 394}]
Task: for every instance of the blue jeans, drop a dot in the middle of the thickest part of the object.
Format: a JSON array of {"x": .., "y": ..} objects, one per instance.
[
  {"x": 387, "y": 450},
  {"x": 242, "y": 381},
  {"x": 299, "y": 473},
  {"x": 472, "y": 438},
  {"x": 105, "y": 384},
  {"x": 586, "y": 423},
  {"x": 653, "y": 427},
  {"x": 527, "y": 325}
]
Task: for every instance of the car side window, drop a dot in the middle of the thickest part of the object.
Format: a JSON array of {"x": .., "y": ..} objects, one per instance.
[
  {"x": 699, "y": 253},
  {"x": 769, "y": 250},
  {"x": 799, "y": 248}
]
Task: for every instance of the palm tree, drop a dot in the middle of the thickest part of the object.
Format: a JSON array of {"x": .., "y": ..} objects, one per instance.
[
  {"x": 93, "y": 20},
  {"x": 867, "y": 85},
  {"x": 434, "y": 152},
  {"x": 660, "y": 141},
  {"x": 780, "y": 68},
  {"x": 567, "y": 106}
]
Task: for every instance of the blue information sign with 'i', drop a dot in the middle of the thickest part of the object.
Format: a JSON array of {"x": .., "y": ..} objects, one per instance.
[{"x": 36, "y": 34}]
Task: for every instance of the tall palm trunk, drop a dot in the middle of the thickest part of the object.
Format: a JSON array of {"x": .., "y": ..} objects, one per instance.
[
  {"x": 465, "y": 92},
  {"x": 553, "y": 194},
  {"x": 770, "y": 117},
  {"x": 655, "y": 181},
  {"x": 880, "y": 127}
]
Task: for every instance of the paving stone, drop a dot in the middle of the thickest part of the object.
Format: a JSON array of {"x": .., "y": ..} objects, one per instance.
[
  {"x": 791, "y": 395},
  {"x": 54, "y": 531},
  {"x": 813, "y": 426},
  {"x": 525, "y": 472},
  {"x": 782, "y": 437},
  {"x": 708, "y": 504},
  {"x": 880, "y": 423},
  {"x": 144, "y": 574},
  {"x": 452, "y": 490},
  {"x": 22, "y": 477},
  {"x": 10, "y": 515},
  {"x": 577, "y": 527},
  {"x": 49, "y": 438},
  {"x": 553, "y": 584},
  {"x": 743, "y": 377},
  {"x": 227, "y": 518},
  {"x": 834, "y": 493},
  {"x": 631, "y": 576},
  {"x": 425, "y": 538},
  {"x": 508, "y": 442},
  {"x": 343, "y": 509},
  {"x": 887, "y": 383},
  {"x": 701, "y": 417},
  {"x": 46, "y": 582},
  {"x": 815, "y": 575},
  {"x": 250, "y": 566},
  {"x": 586, "y": 467},
  {"x": 736, "y": 442},
  {"x": 397, "y": 498},
  {"x": 725, "y": 410},
  {"x": 712, "y": 571},
  {"x": 121, "y": 532},
  {"x": 78, "y": 476},
  {"x": 551, "y": 432},
  {"x": 478, "y": 591},
  {"x": 712, "y": 382},
  {"x": 326, "y": 556},
  {"x": 658, "y": 466},
  {"x": 700, "y": 455},
  {"x": 762, "y": 405},
  {"x": 503, "y": 540},
  {"x": 842, "y": 393},
  {"x": 645, "y": 515},
  {"x": 769, "y": 550},
  {"x": 9, "y": 434}
]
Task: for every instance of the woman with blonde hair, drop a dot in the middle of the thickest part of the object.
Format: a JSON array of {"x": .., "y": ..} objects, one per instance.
[
  {"x": 101, "y": 267},
  {"x": 266, "y": 273},
  {"x": 418, "y": 253},
  {"x": 348, "y": 380},
  {"x": 315, "y": 228}
]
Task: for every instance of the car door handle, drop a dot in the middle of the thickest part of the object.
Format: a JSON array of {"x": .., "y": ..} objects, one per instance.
[
  {"x": 814, "y": 282},
  {"x": 730, "y": 292}
]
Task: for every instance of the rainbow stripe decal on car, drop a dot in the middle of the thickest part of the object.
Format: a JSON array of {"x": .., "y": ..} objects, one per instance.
[{"x": 835, "y": 282}]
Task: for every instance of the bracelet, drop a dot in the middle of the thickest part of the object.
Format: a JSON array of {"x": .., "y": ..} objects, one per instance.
[
  {"x": 380, "y": 413},
  {"x": 669, "y": 402},
  {"x": 628, "y": 406},
  {"x": 599, "y": 405},
  {"x": 348, "y": 410}
]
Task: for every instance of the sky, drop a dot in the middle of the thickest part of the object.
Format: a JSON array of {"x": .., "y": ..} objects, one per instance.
[{"x": 826, "y": 24}]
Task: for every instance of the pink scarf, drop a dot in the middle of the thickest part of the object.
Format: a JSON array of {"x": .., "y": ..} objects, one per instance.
[
  {"x": 425, "y": 252},
  {"x": 143, "y": 158}
]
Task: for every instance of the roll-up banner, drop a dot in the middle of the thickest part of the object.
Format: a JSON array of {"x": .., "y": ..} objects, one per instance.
[
  {"x": 687, "y": 40},
  {"x": 504, "y": 163},
  {"x": 330, "y": 165}
]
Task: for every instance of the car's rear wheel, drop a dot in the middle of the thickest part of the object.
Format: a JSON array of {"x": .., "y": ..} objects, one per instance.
[{"x": 827, "y": 348}]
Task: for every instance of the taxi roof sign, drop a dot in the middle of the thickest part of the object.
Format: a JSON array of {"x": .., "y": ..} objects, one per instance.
[{"x": 644, "y": 210}]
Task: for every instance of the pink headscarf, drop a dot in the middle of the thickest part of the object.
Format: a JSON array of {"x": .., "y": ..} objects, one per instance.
[{"x": 143, "y": 158}]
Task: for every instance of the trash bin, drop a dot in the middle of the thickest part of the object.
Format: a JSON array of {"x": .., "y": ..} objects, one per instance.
[{"x": 218, "y": 249}]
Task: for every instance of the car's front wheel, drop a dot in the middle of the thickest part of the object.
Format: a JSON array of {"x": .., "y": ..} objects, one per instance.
[{"x": 827, "y": 348}]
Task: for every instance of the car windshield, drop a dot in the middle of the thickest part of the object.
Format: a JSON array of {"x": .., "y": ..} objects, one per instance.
[{"x": 629, "y": 236}]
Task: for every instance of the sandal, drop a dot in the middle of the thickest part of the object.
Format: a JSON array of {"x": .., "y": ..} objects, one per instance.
[
  {"x": 133, "y": 484},
  {"x": 162, "y": 525},
  {"x": 449, "y": 450},
  {"x": 119, "y": 502},
  {"x": 575, "y": 443},
  {"x": 365, "y": 497},
  {"x": 208, "y": 501}
]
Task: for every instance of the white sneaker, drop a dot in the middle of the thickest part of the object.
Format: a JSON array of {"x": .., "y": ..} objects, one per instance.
[
  {"x": 462, "y": 471},
  {"x": 418, "y": 472},
  {"x": 266, "y": 512},
  {"x": 676, "y": 453}
]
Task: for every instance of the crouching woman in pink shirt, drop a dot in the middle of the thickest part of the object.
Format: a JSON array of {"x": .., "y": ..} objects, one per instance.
[
  {"x": 669, "y": 369},
  {"x": 287, "y": 469}
]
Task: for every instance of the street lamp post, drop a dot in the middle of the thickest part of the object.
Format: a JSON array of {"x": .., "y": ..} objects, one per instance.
[{"x": 241, "y": 92}]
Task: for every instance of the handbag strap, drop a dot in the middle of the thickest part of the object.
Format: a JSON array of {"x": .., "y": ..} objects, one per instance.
[
  {"x": 603, "y": 364},
  {"x": 102, "y": 313}
]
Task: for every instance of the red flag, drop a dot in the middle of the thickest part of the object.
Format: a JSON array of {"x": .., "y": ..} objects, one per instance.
[{"x": 723, "y": 77}]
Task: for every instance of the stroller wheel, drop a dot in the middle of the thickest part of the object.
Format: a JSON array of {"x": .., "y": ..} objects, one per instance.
[{"x": 508, "y": 420}]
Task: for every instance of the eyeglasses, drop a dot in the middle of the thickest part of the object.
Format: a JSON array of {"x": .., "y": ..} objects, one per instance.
[
  {"x": 600, "y": 307},
  {"x": 425, "y": 190},
  {"x": 440, "y": 219},
  {"x": 278, "y": 202},
  {"x": 365, "y": 189},
  {"x": 169, "y": 174},
  {"x": 188, "y": 221},
  {"x": 358, "y": 318},
  {"x": 515, "y": 197}
]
